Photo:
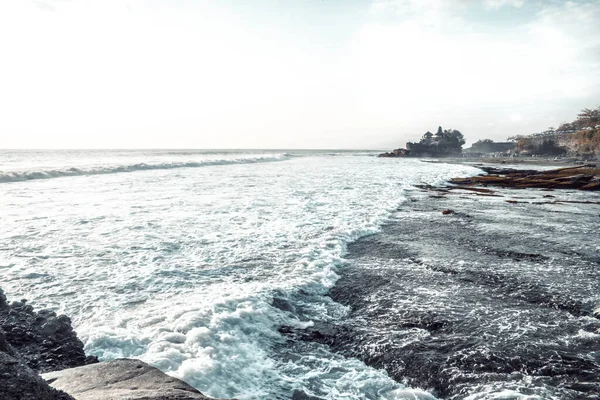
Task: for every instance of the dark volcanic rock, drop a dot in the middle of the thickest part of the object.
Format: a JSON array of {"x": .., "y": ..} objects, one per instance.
[
  {"x": 121, "y": 379},
  {"x": 45, "y": 341},
  {"x": 42, "y": 341},
  {"x": 468, "y": 308},
  {"x": 18, "y": 381},
  {"x": 396, "y": 153}
]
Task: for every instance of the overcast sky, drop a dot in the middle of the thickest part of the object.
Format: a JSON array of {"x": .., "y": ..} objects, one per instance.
[{"x": 290, "y": 74}]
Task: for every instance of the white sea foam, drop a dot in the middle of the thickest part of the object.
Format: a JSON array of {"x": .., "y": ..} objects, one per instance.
[
  {"x": 26, "y": 175},
  {"x": 180, "y": 266}
]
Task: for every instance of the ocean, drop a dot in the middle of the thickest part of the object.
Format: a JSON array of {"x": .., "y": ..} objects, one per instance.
[{"x": 214, "y": 265}]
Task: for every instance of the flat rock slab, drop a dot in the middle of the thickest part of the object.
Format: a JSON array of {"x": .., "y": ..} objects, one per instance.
[
  {"x": 122, "y": 379},
  {"x": 586, "y": 177}
]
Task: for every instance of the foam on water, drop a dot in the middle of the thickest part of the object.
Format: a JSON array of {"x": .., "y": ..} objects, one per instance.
[
  {"x": 194, "y": 269},
  {"x": 204, "y": 161}
]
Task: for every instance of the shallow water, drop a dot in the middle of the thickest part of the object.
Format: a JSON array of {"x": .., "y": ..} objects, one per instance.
[
  {"x": 191, "y": 261},
  {"x": 213, "y": 265},
  {"x": 495, "y": 301}
]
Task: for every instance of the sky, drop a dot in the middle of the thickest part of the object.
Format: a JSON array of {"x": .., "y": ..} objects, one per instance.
[{"x": 334, "y": 74}]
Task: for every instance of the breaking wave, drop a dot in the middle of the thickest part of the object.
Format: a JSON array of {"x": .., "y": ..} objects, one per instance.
[{"x": 18, "y": 176}]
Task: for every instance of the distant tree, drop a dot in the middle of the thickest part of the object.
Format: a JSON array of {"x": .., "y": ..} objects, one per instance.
[
  {"x": 456, "y": 137},
  {"x": 567, "y": 126},
  {"x": 484, "y": 141},
  {"x": 445, "y": 142},
  {"x": 588, "y": 117},
  {"x": 545, "y": 147},
  {"x": 439, "y": 134}
]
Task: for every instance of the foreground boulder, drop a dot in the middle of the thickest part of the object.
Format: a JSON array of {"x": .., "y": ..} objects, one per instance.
[{"x": 123, "y": 379}]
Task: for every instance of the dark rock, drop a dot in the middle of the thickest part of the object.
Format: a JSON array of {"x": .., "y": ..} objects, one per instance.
[
  {"x": 2, "y": 299},
  {"x": 396, "y": 153},
  {"x": 320, "y": 332},
  {"x": 586, "y": 177},
  {"x": 121, "y": 379},
  {"x": 447, "y": 212},
  {"x": 300, "y": 395},
  {"x": 283, "y": 304},
  {"x": 45, "y": 342},
  {"x": 19, "y": 382},
  {"x": 42, "y": 341}
]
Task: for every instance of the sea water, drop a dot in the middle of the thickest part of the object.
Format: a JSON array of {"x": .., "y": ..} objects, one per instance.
[{"x": 193, "y": 260}]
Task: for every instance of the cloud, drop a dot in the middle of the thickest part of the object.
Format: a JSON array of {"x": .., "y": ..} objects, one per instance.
[
  {"x": 496, "y": 4},
  {"x": 427, "y": 12},
  {"x": 43, "y": 5},
  {"x": 410, "y": 65},
  {"x": 423, "y": 7},
  {"x": 127, "y": 71}
]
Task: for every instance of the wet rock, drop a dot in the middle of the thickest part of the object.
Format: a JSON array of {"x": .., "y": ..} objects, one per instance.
[
  {"x": 44, "y": 341},
  {"x": 585, "y": 177},
  {"x": 395, "y": 153},
  {"x": 431, "y": 321},
  {"x": 320, "y": 332},
  {"x": 300, "y": 395},
  {"x": 121, "y": 379},
  {"x": 18, "y": 381},
  {"x": 283, "y": 304}
]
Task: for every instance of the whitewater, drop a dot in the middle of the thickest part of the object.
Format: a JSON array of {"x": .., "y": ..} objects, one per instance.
[
  {"x": 210, "y": 264},
  {"x": 184, "y": 259}
]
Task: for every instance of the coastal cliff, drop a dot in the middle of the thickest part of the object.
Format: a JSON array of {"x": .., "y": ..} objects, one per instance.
[{"x": 42, "y": 342}]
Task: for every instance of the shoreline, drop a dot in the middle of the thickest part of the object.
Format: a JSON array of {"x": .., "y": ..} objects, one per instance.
[
  {"x": 472, "y": 187},
  {"x": 581, "y": 177},
  {"x": 533, "y": 161},
  {"x": 42, "y": 358},
  {"x": 460, "y": 265}
]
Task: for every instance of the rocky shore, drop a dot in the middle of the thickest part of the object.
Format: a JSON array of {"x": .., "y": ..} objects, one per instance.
[
  {"x": 41, "y": 342},
  {"x": 466, "y": 296},
  {"x": 584, "y": 177}
]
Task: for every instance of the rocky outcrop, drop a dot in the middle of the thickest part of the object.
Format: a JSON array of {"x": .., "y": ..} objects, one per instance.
[
  {"x": 122, "y": 379},
  {"x": 44, "y": 341},
  {"x": 33, "y": 342},
  {"x": 444, "y": 143},
  {"x": 396, "y": 153},
  {"x": 585, "y": 177},
  {"x": 18, "y": 381},
  {"x": 580, "y": 138}
]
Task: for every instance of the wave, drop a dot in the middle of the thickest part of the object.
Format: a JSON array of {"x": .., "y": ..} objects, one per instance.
[{"x": 19, "y": 176}]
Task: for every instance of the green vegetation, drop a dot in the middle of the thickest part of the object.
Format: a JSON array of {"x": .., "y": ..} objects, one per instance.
[{"x": 445, "y": 142}]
